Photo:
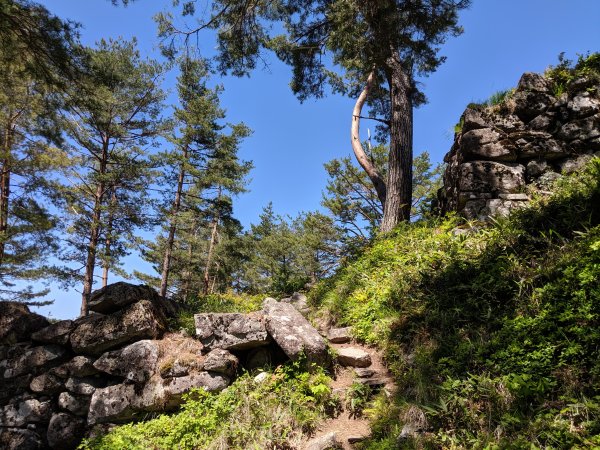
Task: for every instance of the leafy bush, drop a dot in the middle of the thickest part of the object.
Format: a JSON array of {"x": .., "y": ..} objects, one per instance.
[
  {"x": 495, "y": 334},
  {"x": 565, "y": 72},
  {"x": 274, "y": 414}
]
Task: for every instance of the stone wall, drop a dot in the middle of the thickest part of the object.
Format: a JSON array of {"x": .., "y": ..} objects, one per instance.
[
  {"x": 503, "y": 153},
  {"x": 62, "y": 381}
]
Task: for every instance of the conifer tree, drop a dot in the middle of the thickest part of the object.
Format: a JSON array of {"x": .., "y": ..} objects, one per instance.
[
  {"x": 377, "y": 49},
  {"x": 28, "y": 132},
  {"x": 111, "y": 131},
  {"x": 202, "y": 171}
]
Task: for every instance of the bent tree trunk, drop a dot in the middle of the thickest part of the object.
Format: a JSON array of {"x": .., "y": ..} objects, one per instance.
[
  {"x": 399, "y": 179},
  {"x": 357, "y": 147}
]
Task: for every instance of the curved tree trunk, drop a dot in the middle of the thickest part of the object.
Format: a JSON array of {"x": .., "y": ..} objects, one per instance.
[
  {"x": 399, "y": 179},
  {"x": 357, "y": 147}
]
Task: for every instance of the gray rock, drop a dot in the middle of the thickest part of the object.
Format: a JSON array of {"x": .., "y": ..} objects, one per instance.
[
  {"x": 17, "y": 322},
  {"x": 485, "y": 143},
  {"x": 508, "y": 123},
  {"x": 328, "y": 441},
  {"x": 24, "y": 412},
  {"x": 535, "y": 82},
  {"x": 77, "y": 405},
  {"x": 117, "y": 296},
  {"x": 231, "y": 331},
  {"x": 536, "y": 168},
  {"x": 547, "y": 180},
  {"x": 262, "y": 377},
  {"x": 353, "y": 357},
  {"x": 136, "y": 362},
  {"x": 80, "y": 366},
  {"x": 34, "y": 360},
  {"x": 65, "y": 431},
  {"x": 121, "y": 402},
  {"x": 20, "y": 439},
  {"x": 221, "y": 361},
  {"x": 530, "y": 104},
  {"x": 14, "y": 386},
  {"x": 294, "y": 334},
  {"x": 95, "y": 335},
  {"x": 543, "y": 122},
  {"x": 583, "y": 129},
  {"x": 573, "y": 165},
  {"x": 364, "y": 372},
  {"x": 298, "y": 301},
  {"x": 583, "y": 105},
  {"x": 46, "y": 384},
  {"x": 340, "y": 335},
  {"x": 85, "y": 385},
  {"x": 475, "y": 210},
  {"x": 57, "y": 333},
  {"x": 489, "y": 176},
  {"x": 472, "y": 120},
  {"x": 519, "y": 197}
]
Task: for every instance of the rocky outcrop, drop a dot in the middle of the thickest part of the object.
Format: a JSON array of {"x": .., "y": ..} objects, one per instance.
[
  {"x": 61, "y": 381},
  {"x": 54, "y": 378},
  {"x": 503, "y": 153}
]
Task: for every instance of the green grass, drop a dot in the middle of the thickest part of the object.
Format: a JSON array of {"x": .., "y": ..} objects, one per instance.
[
  {"x": 494, "y": 337},
  {"x": 274, "y": 414}
]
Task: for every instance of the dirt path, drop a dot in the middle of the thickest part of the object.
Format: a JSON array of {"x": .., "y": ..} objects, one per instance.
[{"x": 347, "y": 428}]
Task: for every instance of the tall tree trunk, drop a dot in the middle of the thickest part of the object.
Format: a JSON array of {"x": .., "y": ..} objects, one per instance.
[
  {"x": 5, "y": 188},
  {"x": 187, "y": 280},
  {"x": 399, "y": 179},
  {"x": 164, "y": 279},
  {"x": 357, "y": 147},
  {"x": 211, "y": 247},
  {"x": 90, "y": 262},
  {"x": 108, "y": 241}
]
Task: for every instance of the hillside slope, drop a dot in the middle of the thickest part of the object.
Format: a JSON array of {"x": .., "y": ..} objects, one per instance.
[{"x": 492, "y": 333}]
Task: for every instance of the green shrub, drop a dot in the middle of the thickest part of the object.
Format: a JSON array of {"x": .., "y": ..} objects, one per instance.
[
  {"x": 274, "y": 414},
  {"x": 561, "y": 75}
]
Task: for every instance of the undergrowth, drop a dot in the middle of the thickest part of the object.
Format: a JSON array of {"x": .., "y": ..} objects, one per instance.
[
  {"x": 493, "y": 336},
  {"x": 272, "y": 414}
]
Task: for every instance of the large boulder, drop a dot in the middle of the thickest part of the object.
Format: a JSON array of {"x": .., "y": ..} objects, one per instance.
[
  {"x": 136, "y": 362},
  {"x": 486, "y": 143},
  {"x": 124, "y": 402},
  {"x": 489, "y": 176},
  {"x": 20, "y": 439},
  {"x": 95, "y": 335},
  {"x": 117, "y": 296},
  {"x": 231, "y": 331},
  {"x": 34, "y": 360},
  {"x": 65, "y": 431},
  {"x": 221, "y": 361},
  {"x": 25, "y": 412},
  {"x": 57, "y": 333},
  {"x": 17, "y": 322},
  {"x": 79, "y": 366},
  {"x": 293, "y": 333},
  {"x": 77, "y": 405}
]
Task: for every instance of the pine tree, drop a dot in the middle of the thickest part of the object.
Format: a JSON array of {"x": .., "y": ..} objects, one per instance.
[
  {"x": 381, "y": 47},
  {"x": 114, "y": 117},
  {"x": 202, "y": 171},
  {"x": 28, "y": 132}
]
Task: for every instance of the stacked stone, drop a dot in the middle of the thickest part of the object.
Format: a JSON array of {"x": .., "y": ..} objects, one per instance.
[
  {"x": 503, "y": 152},
  {"x": 59, "y": 380}
]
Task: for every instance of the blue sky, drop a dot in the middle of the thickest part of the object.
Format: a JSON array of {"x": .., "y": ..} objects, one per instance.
[{"x": 291, "y": 141}]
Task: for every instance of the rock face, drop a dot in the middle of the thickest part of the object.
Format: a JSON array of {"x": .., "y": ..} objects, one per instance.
[
  {"x": 57, "y": 380},
  {"x": 519, "y": 147},
  {"x": 96, "y": 334},
  {"x": 231, "y": 331},
  {"x": 17, "y": 322},
  {"x": 61, "y": 381},
  {"x": 294, "y": 334}
]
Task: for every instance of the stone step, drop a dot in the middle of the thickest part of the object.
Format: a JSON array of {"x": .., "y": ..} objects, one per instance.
[
  {"x": 339, "y": 335},
  {"x": 364, "y": 372},
  {"x": 353, "y": 357}
]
